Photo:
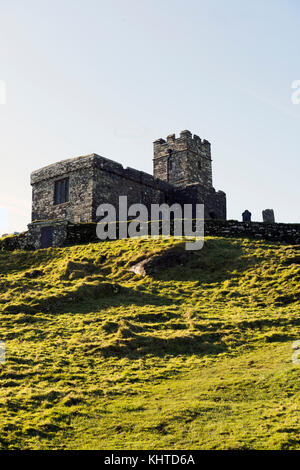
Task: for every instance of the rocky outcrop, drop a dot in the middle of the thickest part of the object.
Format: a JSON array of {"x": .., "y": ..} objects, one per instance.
[{"x": 151, "y": 265}]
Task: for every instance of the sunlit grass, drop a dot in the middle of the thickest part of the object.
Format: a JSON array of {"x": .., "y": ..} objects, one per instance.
[{"x": 194, "y": 356}]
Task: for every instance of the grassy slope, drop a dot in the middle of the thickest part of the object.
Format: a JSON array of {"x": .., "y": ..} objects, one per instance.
[{"x": 196, "y": 357}]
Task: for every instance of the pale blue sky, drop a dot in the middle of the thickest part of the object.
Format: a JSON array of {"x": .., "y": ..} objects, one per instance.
[{"x": 110, "y": 77}]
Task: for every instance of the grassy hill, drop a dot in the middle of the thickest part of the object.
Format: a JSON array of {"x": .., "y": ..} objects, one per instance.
[{"x": 195, "y": 355}]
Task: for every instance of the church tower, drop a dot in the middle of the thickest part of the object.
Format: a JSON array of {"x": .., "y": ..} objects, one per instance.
[{"x": 183, "y": 161}]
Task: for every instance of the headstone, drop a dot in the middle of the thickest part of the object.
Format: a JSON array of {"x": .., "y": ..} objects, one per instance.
[
  {"x": 246, "y": 216},
  {"x": 268, "y": 216}
]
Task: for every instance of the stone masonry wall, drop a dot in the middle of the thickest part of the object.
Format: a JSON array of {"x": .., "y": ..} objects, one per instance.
[
  {"x": 182, "y": 161},
  {"x": 73, "y": 234},
  {"x": 79, "y": 208},
  {"x": 214, "y": 201},
  {"x": 111, "y": 180},
  {"x": 15, "y": 242},
  {"x": 94, "y": 180},
  {"x": 59, "y": 233},
  {"x": 283, "y": 233},
  {"x": 277, "y": 232}
]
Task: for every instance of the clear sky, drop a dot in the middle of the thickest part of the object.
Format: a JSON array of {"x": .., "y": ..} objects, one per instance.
[{"x": 110, "y": 77}]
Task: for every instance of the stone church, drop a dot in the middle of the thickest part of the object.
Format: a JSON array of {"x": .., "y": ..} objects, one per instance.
[{"x": 71, "y": 190}]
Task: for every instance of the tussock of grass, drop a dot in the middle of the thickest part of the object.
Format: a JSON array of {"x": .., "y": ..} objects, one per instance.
[{"x": 195, "y": 354}]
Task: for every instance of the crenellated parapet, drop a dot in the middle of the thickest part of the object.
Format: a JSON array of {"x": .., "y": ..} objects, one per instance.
[
  {"x": 185, "y": 141},
  {"x": 183, "y": 160}
]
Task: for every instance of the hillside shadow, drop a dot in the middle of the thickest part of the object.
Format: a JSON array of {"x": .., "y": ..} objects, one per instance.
[
  {"x": 215, "y": 262},
  {"x": 137, "y": 345},
  {"x": 60, "y": 305},
  {"x": 18, "y": 261}
]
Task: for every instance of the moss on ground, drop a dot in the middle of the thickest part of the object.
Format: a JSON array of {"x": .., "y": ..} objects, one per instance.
[{"x": 195, "y": 356}]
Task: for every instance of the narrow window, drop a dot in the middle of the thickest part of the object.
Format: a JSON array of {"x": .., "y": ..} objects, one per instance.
[{"x": 61, "y": 192}]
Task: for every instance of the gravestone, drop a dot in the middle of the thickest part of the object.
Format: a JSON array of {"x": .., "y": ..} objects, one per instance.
[
  {"x": 268, "y": 216},
  {"x": 246, "y": 216}
]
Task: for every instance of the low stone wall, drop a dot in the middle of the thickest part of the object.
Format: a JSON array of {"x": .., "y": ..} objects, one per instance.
[
  {"x": 81, "y": 233},
  {"x": 15, "y": 242},
  {"x": 285, "y": 233},
  {"x": 67, "y": 234}
]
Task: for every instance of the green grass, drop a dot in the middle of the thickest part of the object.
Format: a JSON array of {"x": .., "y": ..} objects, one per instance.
[{"x": 197, "y": 356}]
